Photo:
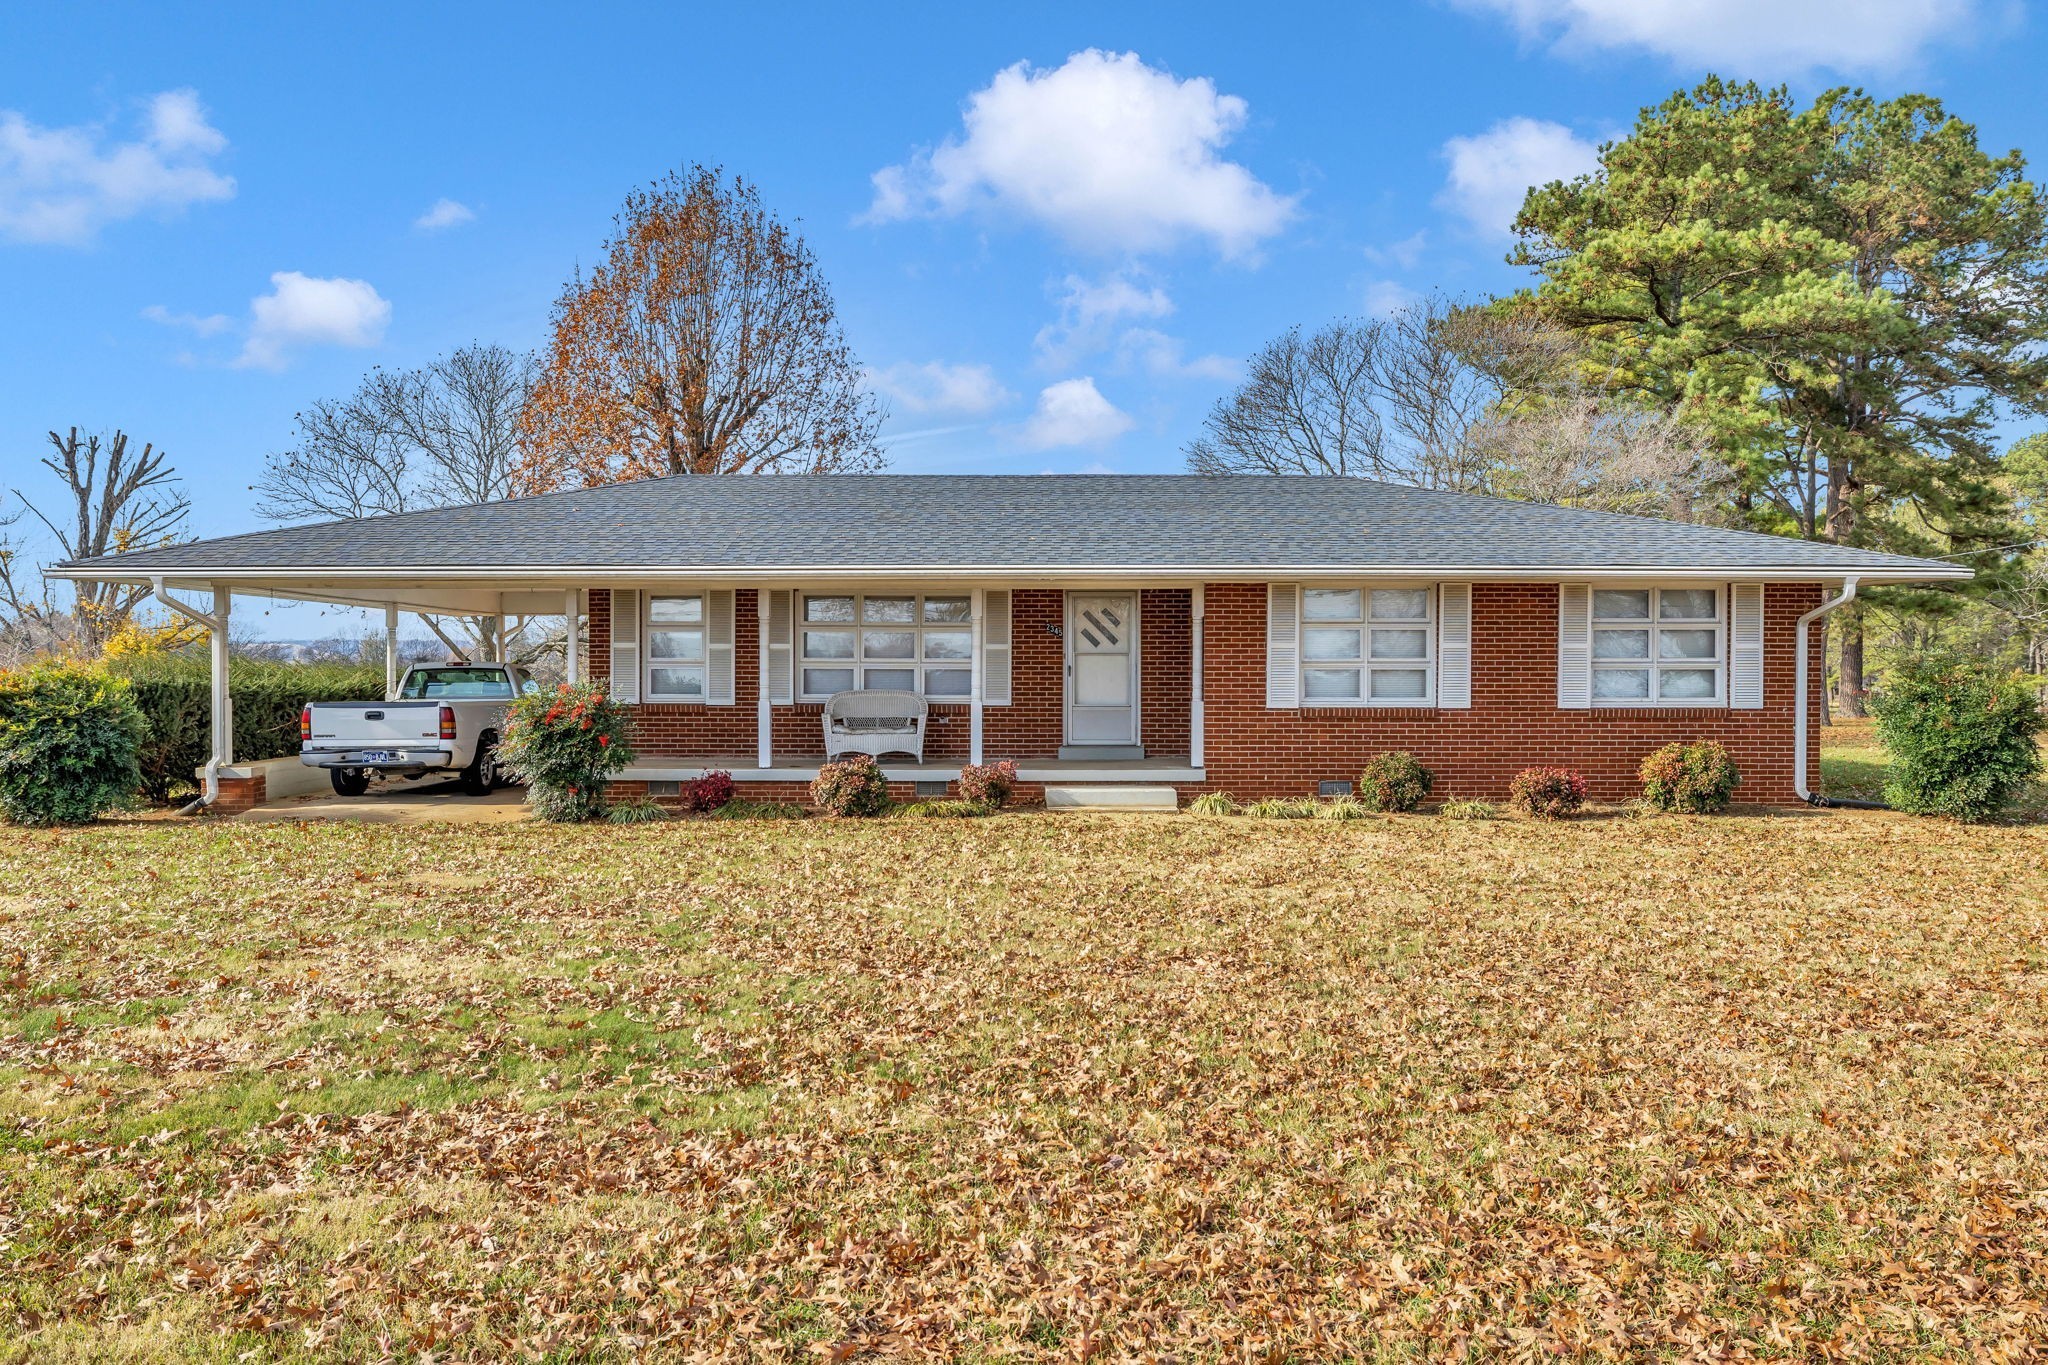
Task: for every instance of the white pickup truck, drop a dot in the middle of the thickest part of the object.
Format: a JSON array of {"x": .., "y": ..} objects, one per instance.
[{"x": 445, "y": 719}]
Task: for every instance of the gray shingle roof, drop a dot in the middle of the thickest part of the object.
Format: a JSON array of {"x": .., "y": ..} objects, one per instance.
[{"x": 999, "y": 522}]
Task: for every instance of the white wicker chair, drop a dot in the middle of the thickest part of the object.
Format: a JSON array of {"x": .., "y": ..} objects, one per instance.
[{"x": 875, "y": 723}]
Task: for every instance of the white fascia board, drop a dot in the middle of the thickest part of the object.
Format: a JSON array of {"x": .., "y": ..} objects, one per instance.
[{"x": 285, "y": 580}]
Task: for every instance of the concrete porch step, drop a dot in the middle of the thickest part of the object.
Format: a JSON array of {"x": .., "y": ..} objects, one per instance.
[{"x": 1103, "y": 796}]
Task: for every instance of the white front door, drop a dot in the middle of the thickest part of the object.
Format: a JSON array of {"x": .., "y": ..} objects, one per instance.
[{"x": 1102, "y": 668}]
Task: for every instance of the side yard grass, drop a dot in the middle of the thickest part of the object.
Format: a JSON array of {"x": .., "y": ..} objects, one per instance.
[{"x": 1027, "y": 1088}]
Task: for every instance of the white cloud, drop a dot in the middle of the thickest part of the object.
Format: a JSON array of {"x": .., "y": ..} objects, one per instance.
[
  {"x": 446, "y": 213},
  {"x": 211, "y": 324},
  {"x": 1746, "y": 37},
  {"x": 937, "y": 387},
  {"x": 1090, "y": 313},
  {"x": 1492, "y": 172},
  {"x": 1108, "y": 152},
  {"x": 1163, "y": 357},
  {"x": 64, "y": 184},
  {"x": 302, "y": 310},
  {"x": 1406, "y": 253},
  {"x": 1073, "y": 413},
  {"x": 1383, "y": 298}
]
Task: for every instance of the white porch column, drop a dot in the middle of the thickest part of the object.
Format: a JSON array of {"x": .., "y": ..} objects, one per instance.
[
  {"x": 764, "y": 711},
  {"x": 390, "y": 651},
  {"x": 1195, "y": 719},
  {"x": 223, "y": 716},
  {"x": 572, "y": 658},
  {"x": 974, "y": 704}
]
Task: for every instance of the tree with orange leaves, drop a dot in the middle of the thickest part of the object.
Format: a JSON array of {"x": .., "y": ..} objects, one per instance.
[{"x": 705, "y": 342}]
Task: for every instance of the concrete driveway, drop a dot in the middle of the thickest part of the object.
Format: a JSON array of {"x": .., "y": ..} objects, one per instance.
[{"x": 427, "y": 801}]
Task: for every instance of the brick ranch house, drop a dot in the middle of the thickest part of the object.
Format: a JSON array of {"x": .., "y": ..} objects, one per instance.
[{"x": 1256, "y": 635}]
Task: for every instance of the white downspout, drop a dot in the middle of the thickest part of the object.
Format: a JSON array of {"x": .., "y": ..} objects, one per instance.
[
  {"x": 1197, "y": 703},
  {"x": 978, "y": 647},
  {"x": 216, "y": 624},
  {"x": 1799, "y": 688}
]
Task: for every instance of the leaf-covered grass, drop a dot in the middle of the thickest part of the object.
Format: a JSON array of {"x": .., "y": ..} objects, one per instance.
[{"x": 1037, "y": 1087}]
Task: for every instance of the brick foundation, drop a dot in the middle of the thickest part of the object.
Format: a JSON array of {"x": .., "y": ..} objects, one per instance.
[{"x": 238, "y": 794}]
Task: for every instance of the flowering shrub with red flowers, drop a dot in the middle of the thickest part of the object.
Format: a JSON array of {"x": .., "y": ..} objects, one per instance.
[
  {"x": 565, "y": 745},
  {"x": 713, "y": 791},
  {"x": 988, "y": 784},
  {"x": 852, "y": 786},
  {"x": 1547, "y": 793},
  {"x": 1690, "y": 779}
]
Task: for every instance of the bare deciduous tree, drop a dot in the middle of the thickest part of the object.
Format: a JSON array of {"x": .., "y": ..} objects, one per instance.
[
  {"x": 706, "y": 342},
  {"x": 1467, "y": 399},
  {"x": 118, "y": 502},
  {"x": 443, "y": 435}
]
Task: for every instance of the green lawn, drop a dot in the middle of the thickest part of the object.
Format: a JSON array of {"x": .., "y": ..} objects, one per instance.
[{"x": 1034, "y": 1087}]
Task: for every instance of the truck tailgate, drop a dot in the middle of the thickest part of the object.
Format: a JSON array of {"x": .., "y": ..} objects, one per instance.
[{"x": 365, "y": 723}]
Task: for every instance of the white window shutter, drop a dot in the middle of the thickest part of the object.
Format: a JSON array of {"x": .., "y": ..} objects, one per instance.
[
  {"x": 718, "y": 637},
  {"x": 995, "y": 647},
  {"x": 1746, "y": 647},
  {"x": 1454, "y": 647},
  {"x": 1283, "y": 646},
  {"x": 625, "y": 684},
  {"x": 1574, "y": 646},
  {"x": 779, "y": 612}
]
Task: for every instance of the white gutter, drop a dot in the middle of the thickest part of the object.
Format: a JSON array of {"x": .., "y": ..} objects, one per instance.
[
  {"x": 1799, "y": 737},
  {"x": 217, "y": 629}
]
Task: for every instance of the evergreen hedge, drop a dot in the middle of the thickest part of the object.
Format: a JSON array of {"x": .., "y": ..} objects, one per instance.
[
  {"x": 1961, "y": 736},
  {"x": 173, "y": 693},
  {"x": 68, "y": 739}
]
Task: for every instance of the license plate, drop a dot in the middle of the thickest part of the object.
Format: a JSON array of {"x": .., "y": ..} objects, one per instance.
[{"x": 378, "y": 756}]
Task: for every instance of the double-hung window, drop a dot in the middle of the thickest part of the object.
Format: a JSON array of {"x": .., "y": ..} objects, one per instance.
[
  {"x": 1654, "y": 646},
  {"x": 675, "y": 647},
  {"x": 1368, "y": 646},
  {"x": 887, "y": 642}
]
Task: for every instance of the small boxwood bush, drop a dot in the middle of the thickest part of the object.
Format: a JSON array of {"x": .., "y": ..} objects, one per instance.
[
  {"x": 707, "y": 793},
  {"x": 988, "y": 784},
  {"x": 1547, "y": 793},
  {"x": 1690, "y": 779},
  {"x": 1394, "y": 782},
  {"x": 854, "y": 786},
  {"x": 69, "y": 738},
  {"x": 1961, "y": 737},
  {"x": 565, "y": 745}
]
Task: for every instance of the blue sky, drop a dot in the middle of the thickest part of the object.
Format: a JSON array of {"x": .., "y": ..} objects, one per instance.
[{"x": 1053, "y": 230}]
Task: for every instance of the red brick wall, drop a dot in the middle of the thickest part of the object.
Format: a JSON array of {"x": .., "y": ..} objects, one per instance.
[
  {"x": 1513, "y": 723},
  {"x": 1251, "y": 752}
]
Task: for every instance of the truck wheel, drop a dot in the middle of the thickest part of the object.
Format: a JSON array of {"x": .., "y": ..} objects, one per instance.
[
  {"x": 481, "y": 776},
  {"x": 349, "y": 781}
]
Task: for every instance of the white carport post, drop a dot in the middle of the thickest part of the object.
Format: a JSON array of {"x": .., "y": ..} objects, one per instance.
[
  {"x": 571, "y": 657},
  {"x": 223, "y": 702},
  {"x": 974, "y": 703},
  {"x": 1195, "y": 700},
  {"x": 391, "y": 651}
]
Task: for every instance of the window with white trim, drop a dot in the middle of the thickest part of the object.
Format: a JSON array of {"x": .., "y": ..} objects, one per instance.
[
  {"x": 1368, "y": 646},
  {"x": 904, "y": 642},
  {"x": 675, "y": 647},
  {"x": 1659, "y": 646}
]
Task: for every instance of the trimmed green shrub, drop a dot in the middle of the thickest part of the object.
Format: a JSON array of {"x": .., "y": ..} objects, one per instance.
[
  {"x": 1690, "y": 779},
  {"x": 173, "y": 692},
  {"x": 1547, "y": 793},
  {"x": 565, "y": 745},
  {"x": 69, "y": 736},
  {"x": 989, "y": 784},
  {"x": 1394, "y": 782},
  {"x": 1961, "y": 737},
  {"x": 1472, "y": 809},
  {"x": 1212, "y": 803},
  {"x": 854, "y": 786}
]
